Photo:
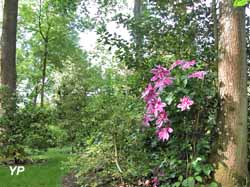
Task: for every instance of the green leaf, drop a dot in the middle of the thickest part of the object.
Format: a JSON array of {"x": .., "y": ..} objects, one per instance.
[
  {"x": 213, "y": 184},
  {"x": 240, "y": 3},
  {"x": 177, "y": 184},
  {"x": 189, "y": 182},
  {"x": 180, "y": 178},
  {"x": 198, "y": 178},
  {"x": 207, "y": 169}
]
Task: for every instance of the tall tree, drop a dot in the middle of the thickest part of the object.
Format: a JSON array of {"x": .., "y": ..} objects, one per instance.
[
  {"x": 232, "y": 170},
  {"x": 215, "y": 29},
  {"x": 45, "y": 38},
  {"x": 1, "y": 26},
  {"x": 137, "y": 32},
  {"x": 8, "y": 45},
  {"x": 53, "y": 41}
]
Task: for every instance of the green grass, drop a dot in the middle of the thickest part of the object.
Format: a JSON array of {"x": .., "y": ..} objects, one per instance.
[{"x": 48, "y": 174}]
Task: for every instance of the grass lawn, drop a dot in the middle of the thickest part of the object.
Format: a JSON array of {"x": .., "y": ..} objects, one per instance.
[{"x": 46, "y": 174}]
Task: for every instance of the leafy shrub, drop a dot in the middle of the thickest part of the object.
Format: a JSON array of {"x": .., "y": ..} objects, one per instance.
[{"x": 27, "y": 127}]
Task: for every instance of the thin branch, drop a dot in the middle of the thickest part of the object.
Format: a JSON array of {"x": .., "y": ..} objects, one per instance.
[{"x": 39, "y": 20}]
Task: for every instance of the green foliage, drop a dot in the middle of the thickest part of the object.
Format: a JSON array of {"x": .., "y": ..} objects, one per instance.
[
  {"x": 27, "y": 127},
  {"x": 98, "y": 110},
  {"x": 40, "y": 26},
  {"x": 240, "y": 3},
  {"x": 108, "y": 120}
]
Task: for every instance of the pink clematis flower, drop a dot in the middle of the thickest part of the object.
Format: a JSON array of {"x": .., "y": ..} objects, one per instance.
[
  {"x": 159, "y": 73},
  {"x": 185, "y": 104},
  {"x": 162, "y": 83},
  {"x": 149, "y": 93},
  {"x": 187, "y": 65},
  {"x": 147, "y": 118},
  {"x": 162, "y": 118},
  {"x": 198, "y": 74},
  {"x": 158, "y": 107},
  {"x": 163, "y": 133},
  {"x": 155, "y": 182},
  {"x": 176, "y": 63}
]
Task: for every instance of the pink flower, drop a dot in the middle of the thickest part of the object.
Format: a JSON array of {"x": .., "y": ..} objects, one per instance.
[
  {"x": 185, "y": 104},
  {"x": 187, "y": 65},
  {"x": 176, "y": 63},
  {"x": 149, "y": 93},
  {"x": 159, "y": 73},
  {"x": 198, "y": 74},
  {"x": 150, "y": 106},
  {"x": 163, "y": 133},
  {"x": 162, "y": 118},
  {"x": 147, "y": 118},
  {"x": 162, "y": 83},
  {"x": 158, "y": 107},
  {"x": 155, "y": 182}
]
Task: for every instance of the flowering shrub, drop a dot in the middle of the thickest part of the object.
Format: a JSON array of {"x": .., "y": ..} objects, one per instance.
[{"x": 155, "y": 108}]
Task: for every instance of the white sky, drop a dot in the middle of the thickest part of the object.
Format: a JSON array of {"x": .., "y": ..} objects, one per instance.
[{"x": 88, "y": 39}]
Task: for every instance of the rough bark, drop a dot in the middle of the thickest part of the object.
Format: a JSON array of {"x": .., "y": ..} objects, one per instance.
[
  {"x": 231, "y": 155},
  {"x": 8, "y": 45},
  {"x": 8, "y": 55}
]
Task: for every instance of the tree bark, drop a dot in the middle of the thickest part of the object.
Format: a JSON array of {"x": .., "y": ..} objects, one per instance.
[
  {"x": 231, "y": 157},
  {"x": 137, "y": 33},
  {"x": 215, "y": 28},
  {"x": 8, "y": 53},
  {"x": 45, "y": 38},
  {"x": 1, "y": 27},
  {"x": 44, "y": 70},
  {"x": 8, "y": 45}
]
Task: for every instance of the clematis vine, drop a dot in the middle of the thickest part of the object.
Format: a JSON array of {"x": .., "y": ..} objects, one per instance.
[
  {"x": 147, "y": 118},
  {"x": 162, "y": 83},
  {"x": 155, "y": 182},
  {"x": 185, "y": 104},
  {"x": 163, "y": 133},
  {"x": 176, "y": 63},
  {"x": 188, "y": 64},
  {"x": 156, "y": 112},
  {"x": 159, "y": 73},
  {"x": 198, "y": 74},
  {"x": 149, "y": 93},
  {"x": 162, "y": 118},
  {"x": 158, "y": 107}
]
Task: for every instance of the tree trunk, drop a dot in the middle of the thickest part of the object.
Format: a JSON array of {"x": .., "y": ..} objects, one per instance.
[
  {"x": 1, "y": 27},
  {"x": 8, "y": 45},
  {"x": 231, "y": 157},
  {"x": 215, "y": 28},
  {"x": 137, "y": 32},
  {"x": 44, "y": 70}
]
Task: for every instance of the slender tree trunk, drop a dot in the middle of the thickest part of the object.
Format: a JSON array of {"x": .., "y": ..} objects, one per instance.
[
  {"x": 137, "y": 33},
  {"x": 8, "y": 46},
  {"x": 1, "y": 27},
  {"x": 215, "y": 29},
  {"x": 231, "y": 156},
  {"x": 35, "y": 96},
  {"x": 44, "y": 70}
]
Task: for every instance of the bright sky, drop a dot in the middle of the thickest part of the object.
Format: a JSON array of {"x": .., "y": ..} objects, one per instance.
[{"x": 88, "y": 39}]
